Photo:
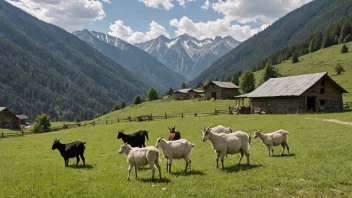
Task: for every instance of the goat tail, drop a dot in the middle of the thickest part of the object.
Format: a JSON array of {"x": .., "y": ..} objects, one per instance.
[{"x": 249, "y": 140}]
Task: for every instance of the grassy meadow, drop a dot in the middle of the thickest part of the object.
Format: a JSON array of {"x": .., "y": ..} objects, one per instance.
[
  {"x": 319, "y": 165},
  {"x": 321, "y": 61}
]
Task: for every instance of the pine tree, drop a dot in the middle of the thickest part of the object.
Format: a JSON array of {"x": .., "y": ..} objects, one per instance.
[
  {"x": 152, "y": 94},
  {"x": 170, "y": 92},
  {"x": 137, "y": 100},
  {"x": 344, "y": 49},
  {"x": 269, "y": 72},
  {"x": 294, "y": 58},
  {"x": 123, "y": 105},
  {"x": 183, "y": 85},
  {"x": 247, "y": 82}
]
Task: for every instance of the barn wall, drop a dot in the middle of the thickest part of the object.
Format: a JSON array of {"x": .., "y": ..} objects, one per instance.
[
  {"x": 181, "y": 96},
  {"x": 229, "y": 93},
  {"x": 221, "y": 93},
  {"x": 278, "y": 105},
  {"x": 7, "y": 119},
  {"x": 332, "y": 96}
]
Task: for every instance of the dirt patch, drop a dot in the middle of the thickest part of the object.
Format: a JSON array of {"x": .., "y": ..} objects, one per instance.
[{"x": 331, "y": 120}]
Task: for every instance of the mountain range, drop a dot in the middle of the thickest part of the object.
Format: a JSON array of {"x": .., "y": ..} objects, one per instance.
[
  {"x": 45, "y": 69},
  {"x": 149, "y": 70},
  {"x": 289, "y": 30},
  {"x": 186, "y": 54}
]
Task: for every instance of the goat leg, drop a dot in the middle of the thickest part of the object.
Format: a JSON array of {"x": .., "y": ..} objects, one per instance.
[{"x": 77, "y": 158}]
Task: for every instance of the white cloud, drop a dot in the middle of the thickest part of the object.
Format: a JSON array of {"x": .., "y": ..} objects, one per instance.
[
  {"x": 118, "y": 29},
  {"x": 246, "y": 11},
  {"x": 205, "y": 6},
  {"x": 211, "y": 29},
  {"x": 163, "y": 4},
  {"x": 70, "y": 15}
]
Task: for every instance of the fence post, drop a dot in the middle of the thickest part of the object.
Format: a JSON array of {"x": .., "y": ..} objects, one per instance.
[
  {"x": 216, "y": 112},
  {"x": 151, "y": 116},
  {"x": 2, "y": 135},
  {"x": 129, "y": 118},
  {"x": 22, "y": 132},
  {"x": 182, "y": 115},
  {"x": 165, "y": 116},
  {"x": 118, "y": 120},
  {"x": 195, "y": 114}
]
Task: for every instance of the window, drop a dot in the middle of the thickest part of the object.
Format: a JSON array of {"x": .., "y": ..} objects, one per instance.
[
  {"x": 322, "y": 90},
  {"x": 322, "y": 102},
  {"x": 323, "y": 82}
]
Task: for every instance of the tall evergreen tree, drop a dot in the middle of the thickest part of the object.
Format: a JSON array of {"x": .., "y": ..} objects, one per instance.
[
  {"x": 183, "y": 85},
  {"x": 294, "y": 58},
  {"x": 269, "y": 72},
  {"x": 152, "y": 94},
  {"x": 247, "y": 82},
  {"x": 170, "y": 92},
  {"x": 123, "y": 105},
  {"x": 137, "y": 100}
]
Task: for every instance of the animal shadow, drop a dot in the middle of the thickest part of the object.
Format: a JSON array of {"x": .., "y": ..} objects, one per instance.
[
  {"x": 80, "y": 166},
  {"x": 284, "y": 155},
  {"x": 156, "y": 180},
  {"x": 241, "y": 167},
  {"x": 189, "y": 173}
]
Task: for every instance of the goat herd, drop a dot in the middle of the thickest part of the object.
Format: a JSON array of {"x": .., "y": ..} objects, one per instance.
[{"x": 224, "y": 141}]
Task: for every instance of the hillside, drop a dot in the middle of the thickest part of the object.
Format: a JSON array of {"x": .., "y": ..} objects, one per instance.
[
  {"x": 149, "y": 70},
  {"x": 320, "y": 61},
  {"x": 291, "y": 29},
  {"x": 186, "y": 54},
  {"x": 48, "y": 70}
]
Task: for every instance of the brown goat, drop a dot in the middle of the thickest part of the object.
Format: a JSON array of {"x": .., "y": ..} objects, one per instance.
[{"x": 174, "y": 134}]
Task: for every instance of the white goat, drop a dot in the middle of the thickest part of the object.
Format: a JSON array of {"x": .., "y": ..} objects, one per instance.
[
  {"x": 274, "y": 139},
  {"x": 176, "y": 149},
  {"x": 137, "y": 157},
  {"x": 220, "y": 129},
  {"x": 224, "y": 144}
]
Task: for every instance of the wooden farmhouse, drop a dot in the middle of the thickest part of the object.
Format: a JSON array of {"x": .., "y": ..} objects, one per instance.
[
  {"x": 185, "y": 94},
  {"x": 297, "y": 94},
  {"x": 23, "y": 119},
  {"x": 220, "y": 90},
  {"x": 8, "y": 119}
]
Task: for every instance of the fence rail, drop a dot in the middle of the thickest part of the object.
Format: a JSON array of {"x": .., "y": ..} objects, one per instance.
[{"x": 141, "y": 118}]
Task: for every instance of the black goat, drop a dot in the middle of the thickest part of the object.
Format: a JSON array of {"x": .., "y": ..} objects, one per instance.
[
  {"x": 71, "y": 150},
  {"x": 134, "y": 139}
]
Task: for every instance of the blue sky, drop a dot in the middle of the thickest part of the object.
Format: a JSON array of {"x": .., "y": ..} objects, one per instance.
[{"x": 141, "y": 20}]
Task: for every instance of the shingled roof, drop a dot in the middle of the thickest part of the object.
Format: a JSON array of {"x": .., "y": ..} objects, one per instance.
[
  {"x": 188, "y": 90},
  {"x": 289, "y": 86},
  {"x": 2, "y": 108},
  {"x": 229, "y": 85}
]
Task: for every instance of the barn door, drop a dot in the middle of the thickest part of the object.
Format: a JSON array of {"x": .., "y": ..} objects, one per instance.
[{"x": 311, "y": 104}]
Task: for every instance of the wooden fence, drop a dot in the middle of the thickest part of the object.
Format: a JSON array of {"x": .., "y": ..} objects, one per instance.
[{"x": 151, "y": 117}]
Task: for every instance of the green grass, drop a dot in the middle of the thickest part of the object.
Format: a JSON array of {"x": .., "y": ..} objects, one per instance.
[
  {"x": 321, "y": 61},
  {"x": 319, "y": 167},
  {"x": 170, "y": 107}
]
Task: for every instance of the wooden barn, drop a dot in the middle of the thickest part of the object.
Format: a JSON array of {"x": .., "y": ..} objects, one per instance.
[
  {"x": 8, "y": 119},
  {"x": 185, "y": 94},
  {"x": 220, "y": 90},
  {"x": 23, "y": 119},
  {"x": 297, "y": 94}
]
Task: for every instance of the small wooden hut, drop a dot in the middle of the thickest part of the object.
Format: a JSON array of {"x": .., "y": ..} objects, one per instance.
[
  {"x": 296, "y": 94},
  {"x": 220, "y": 90},
  {"x": 8, "y": 119},
  {"x": 186, "y": 94}
]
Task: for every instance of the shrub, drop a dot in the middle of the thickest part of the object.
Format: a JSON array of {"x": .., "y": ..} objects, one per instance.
[
  {"x": 344, "y": 49},
  {"x": 137, "y": 100},
  {"x": 339, "y": 69},
  {"x": 152, "y": 94},
  {"x": 42, "y": 123}
]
